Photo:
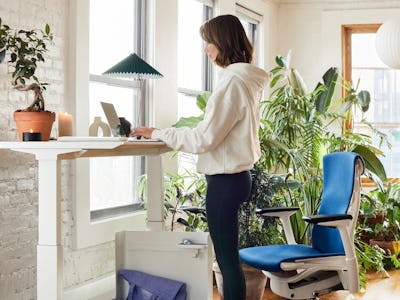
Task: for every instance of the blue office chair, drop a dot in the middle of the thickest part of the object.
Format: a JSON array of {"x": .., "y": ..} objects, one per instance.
[{"x": 306, "y": 271}]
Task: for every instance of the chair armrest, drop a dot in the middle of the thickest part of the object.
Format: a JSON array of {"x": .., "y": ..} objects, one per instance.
[
  {"x": 276, "y": 211},
  {"x": 283, "y": 213},
  {"x": 317, "y": 219}
]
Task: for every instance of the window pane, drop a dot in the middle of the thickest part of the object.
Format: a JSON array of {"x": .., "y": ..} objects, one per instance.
[
  {"x": 112, "y": 179},
  {"x": 111, "y": 33},
  {"x": 190, "y": 45},
  {"x": 112, "y": 184},
  {"x": 187, "y": 106},
  {"x": 193, "y": 65},
  {"x": 122, "y": 98},
  {"x": 364, "y": 54},
  {"x": 251, "y": 28}
]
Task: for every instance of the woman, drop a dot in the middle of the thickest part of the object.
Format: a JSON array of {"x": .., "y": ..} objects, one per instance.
[{"x": 226, "y": 141}]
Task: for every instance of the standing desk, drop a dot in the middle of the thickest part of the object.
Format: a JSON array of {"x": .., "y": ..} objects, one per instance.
[{"x": 49, "y": 156}]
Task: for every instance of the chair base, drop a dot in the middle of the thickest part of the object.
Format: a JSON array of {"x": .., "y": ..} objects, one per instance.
[{"x": 310, "y": 287}]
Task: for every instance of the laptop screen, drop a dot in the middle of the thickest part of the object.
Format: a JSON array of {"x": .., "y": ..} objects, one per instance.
[{"x": 112, "y": 117}]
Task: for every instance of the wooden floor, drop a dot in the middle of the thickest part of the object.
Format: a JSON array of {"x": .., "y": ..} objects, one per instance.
[{"x": 378, "y": 288}]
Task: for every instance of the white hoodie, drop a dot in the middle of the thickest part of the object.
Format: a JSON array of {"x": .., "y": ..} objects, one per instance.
[{"x": 227, "y": 139}]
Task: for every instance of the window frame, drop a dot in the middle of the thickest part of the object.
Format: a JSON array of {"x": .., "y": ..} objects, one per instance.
[
  {"x": 207, "y": 79},
  {"x": 208, "y": 74},
  {"x": 87, "y": 232},
  {"x": 140, "y": 27},
  {"x": 255, "y": 20},
  {"x": 346, "y": 32}
]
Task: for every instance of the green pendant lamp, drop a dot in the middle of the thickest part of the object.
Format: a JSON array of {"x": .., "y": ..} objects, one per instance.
[{"x": 133, "y": 67}]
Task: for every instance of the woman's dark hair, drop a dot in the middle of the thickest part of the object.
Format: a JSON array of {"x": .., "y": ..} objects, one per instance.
[{"x": 228, "y": 35}]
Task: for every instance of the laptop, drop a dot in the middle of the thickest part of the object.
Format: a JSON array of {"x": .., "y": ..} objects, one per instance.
[
  {"x": 112, "y": 118},
  {"x": 114, "y": 123}
]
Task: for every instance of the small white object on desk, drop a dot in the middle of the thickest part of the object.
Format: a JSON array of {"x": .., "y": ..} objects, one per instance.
[
  {"x": 64, "y": 124},
  {"x": 98, "y": 125}
]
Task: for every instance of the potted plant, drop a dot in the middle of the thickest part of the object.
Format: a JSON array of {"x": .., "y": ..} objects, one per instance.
[
  {"x": 299, "y": 127},
  {"x": 385, "y": 232},
  {"x": 26, "y": 48}
]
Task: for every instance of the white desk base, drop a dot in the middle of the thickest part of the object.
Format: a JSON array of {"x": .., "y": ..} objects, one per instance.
[{"x": 49, "y": 156}]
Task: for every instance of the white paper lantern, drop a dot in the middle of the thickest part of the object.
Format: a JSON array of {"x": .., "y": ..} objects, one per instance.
[{"x": 387, "y": 43}]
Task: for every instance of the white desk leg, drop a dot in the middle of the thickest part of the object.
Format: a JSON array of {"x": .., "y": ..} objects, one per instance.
[
  {"x": 155, "y": 202},
  {"x": 49, "y": 248}
]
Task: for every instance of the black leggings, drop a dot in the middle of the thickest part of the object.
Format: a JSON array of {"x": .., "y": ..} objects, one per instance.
[{"x": 225, "y": 194}]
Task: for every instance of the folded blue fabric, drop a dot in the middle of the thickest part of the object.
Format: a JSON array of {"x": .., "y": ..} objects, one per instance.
[{"x": 143, "y": 286}]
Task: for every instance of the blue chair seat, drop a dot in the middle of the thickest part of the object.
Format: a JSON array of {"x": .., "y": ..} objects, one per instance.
[{"x": 269, "y": 258}]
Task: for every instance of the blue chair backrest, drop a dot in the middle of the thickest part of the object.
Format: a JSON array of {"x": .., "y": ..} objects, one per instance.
[{"x": 339, "y": 176}]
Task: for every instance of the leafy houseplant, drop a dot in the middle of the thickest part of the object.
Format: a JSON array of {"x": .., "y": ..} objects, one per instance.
[
  {"x": 26, "y": 48},
  {"x": 299, "y": 127},
  {"x": 382, "y": 202},
  {"x": 255, "y": 230}
]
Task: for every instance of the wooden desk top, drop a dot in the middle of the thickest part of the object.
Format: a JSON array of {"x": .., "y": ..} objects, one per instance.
[{"x": 77, "y": 149}]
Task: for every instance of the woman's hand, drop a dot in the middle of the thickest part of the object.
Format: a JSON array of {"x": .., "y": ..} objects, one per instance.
[{"x": 142, "y": 132}]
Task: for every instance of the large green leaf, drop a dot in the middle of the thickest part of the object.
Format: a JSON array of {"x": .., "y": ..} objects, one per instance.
[
  {"x": 280, "y": 61},
  {"x": 297, "y": 82},
  {"x": 364, "y": 98},
  {"x": 372, "y": 162},
  {"x": 190, "y": 122},
  {"x": 275, "y": 79},
  {"x": 345, "y": 107},
  {"x": 201, "y": 100},
  {"x": 324, "y": 99}
]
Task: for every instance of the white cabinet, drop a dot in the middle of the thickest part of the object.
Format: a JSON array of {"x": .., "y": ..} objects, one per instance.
[{"x": 164, "y": 254}]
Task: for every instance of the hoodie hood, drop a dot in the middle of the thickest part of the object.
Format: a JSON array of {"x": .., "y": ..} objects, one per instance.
[{"x": 254, "y": 77}]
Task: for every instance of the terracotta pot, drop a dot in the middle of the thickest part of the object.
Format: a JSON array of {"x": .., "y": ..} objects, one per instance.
[
  {"x": 378, "y": 219},
  {"x": 389, "y": 246},
  {"x": 255, "y": 281},
  {"x": 37, "y": 121}
]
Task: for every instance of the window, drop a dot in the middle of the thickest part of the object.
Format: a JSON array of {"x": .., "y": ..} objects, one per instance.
[
  {"x": 194, "y": 67},
  {"x": 96, "y": 46},
  {"x": 250, "y": 21},
  {"x": 362, "y": 64},
  {"x": 112, "y": 180}
]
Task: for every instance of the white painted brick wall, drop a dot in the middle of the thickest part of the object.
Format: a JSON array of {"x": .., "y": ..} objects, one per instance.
[{"x": 18, "y": 172}]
